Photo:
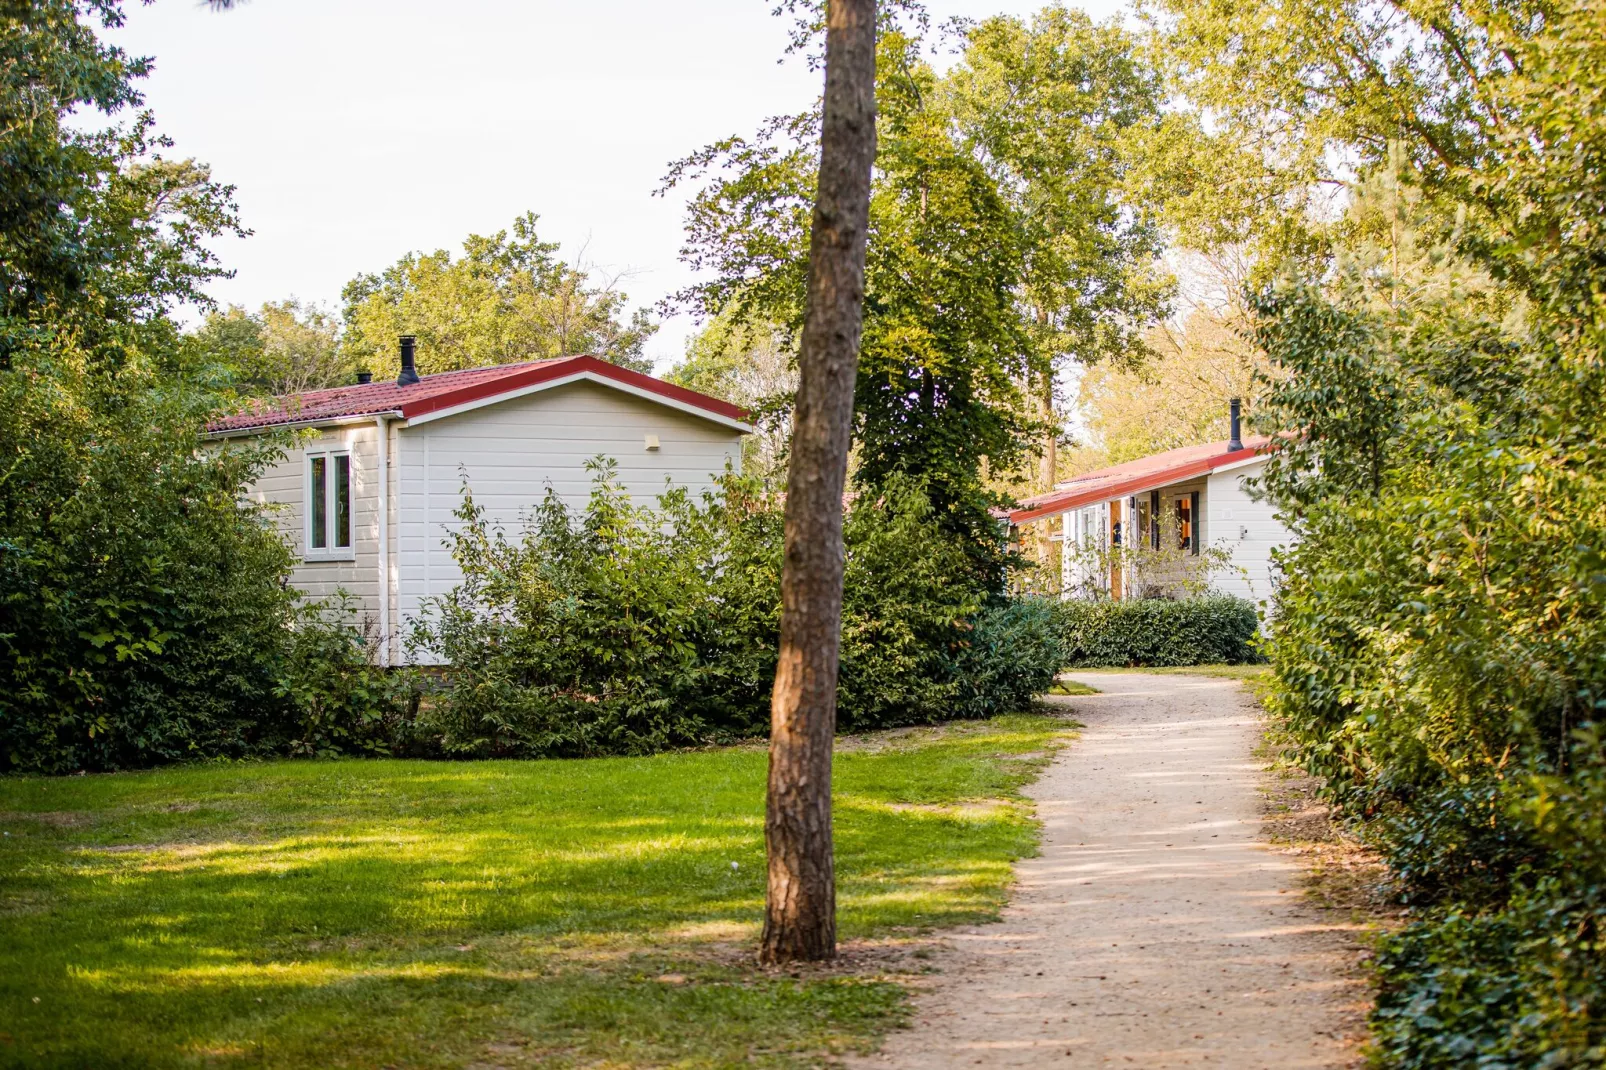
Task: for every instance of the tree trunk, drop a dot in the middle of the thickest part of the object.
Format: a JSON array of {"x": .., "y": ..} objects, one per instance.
[
  {"x": 800, "y": 907},
  {"x": 1049, "y": 472}
]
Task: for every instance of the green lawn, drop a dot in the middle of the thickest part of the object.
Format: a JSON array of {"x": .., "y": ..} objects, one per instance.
[
  {"x": 401, "y": 913},
  {"x": 1071, "y": 688}
]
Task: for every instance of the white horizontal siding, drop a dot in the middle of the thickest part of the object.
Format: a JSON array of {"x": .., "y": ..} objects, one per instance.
[
  {"x": 510, "y": 453},
  {"x": 284, "y": 485},
  {"x": 1248, "y": 529}
]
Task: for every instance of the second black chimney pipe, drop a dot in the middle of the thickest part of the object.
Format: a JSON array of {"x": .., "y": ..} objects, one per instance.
[
  {"x": 409, "y": 371},
  {"x": 1237, "y": 443}
]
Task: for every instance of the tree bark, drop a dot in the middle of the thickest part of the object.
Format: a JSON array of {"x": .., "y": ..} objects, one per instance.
[
  {"x": 1049, "y": 472},
  {"x": 800, "y": 905}
]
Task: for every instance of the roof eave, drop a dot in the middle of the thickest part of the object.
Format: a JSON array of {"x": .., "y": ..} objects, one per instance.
[
  {"x": 581, "y": 369},
  {"x": 1137, "y": 484},
  {"x": 249, "y": 430}
]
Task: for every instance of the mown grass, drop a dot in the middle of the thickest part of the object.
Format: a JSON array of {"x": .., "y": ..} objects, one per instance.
[
  {"x": 1071, "y": 688},
  {"x": 401, "y": 913}
]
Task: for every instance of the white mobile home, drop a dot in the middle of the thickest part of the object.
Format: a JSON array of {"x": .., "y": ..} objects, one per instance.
[
  {"x": 1184, "y": 500},
  {"x": 367, "y": 500}
]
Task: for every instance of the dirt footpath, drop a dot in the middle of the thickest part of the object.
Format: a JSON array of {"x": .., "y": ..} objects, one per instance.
[{"x": 1156, "y": 929}]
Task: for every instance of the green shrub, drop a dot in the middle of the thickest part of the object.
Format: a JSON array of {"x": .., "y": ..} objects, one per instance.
[
  {"x": 1440, "y": 649},
  {"x": 1012, "y": 655},
  {"x": 341, "y": 700},
  {"x": 1516, "y": 987},
  {"x": 145, "y": 615},
  {"x": 1216, "y": 629},
  {"x": 596, "y": 634},
  {"x": 906, "y": 612},
  {"x": 142, "y": 613},
  {"x": 628, "y": 629}
]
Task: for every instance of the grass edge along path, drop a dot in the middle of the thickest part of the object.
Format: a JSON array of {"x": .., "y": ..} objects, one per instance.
[{"x": 561, "y": 913}]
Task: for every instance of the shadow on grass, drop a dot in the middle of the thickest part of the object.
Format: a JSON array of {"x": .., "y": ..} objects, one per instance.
[{"x": 357, "y": 913}]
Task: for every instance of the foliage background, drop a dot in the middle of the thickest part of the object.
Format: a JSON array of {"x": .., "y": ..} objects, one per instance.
[{"x": 1437, "y": 347}]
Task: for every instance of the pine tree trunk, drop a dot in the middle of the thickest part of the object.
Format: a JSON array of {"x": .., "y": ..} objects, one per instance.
[{"x": 800, "y": 907}]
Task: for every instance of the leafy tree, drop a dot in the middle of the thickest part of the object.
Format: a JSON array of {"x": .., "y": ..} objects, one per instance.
[
  {"x": 1177, "y": 397},
  {"x": 141, "y": 607},
  {"x": 993, "y": 252},
  {"x": 1053, "y": 109},
  {"x": 1438, "y": 649},
  {"x": 284, "y": 348},
  {"x": 506, "y": 299},
  {"x": 753, "y": 365},
  {"x": 942, "y": 349}
]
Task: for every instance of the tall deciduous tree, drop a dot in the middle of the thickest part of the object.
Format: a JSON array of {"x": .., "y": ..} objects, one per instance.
[
  {"x": 508, "y": 298},
  {"x": 1053, "y": 109},
  {"x": 800, "y": 905},
  {"x": 283, "y": 348},
  {"x": 995, "y": 250}
]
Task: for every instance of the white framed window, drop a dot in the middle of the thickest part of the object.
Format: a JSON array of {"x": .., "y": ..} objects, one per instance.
[{"x": 330, "y": 532}]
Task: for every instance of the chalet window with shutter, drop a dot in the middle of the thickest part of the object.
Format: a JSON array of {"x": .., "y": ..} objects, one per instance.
[
  {"x": 328, "y": 498},
  {"x": 1182, "y": 521}
]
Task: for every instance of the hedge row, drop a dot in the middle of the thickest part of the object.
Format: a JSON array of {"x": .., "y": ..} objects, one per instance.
[
  {"x": 1217, "y": 629},
  {"x": 617, "y": 628}
]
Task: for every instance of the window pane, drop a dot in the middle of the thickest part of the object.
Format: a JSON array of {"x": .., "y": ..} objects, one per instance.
[
  {"x": 343, "y": 500},
  {"x": 1184, "y": 523},
  {"x": 318, "y": 502}
]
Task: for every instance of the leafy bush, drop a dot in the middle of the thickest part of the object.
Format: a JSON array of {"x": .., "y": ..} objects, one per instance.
[
  {"x": 341, "y": 700},
  {"x": 1523, "y": 986},
  {"x": 144, "y": 612},
  {"x": 1438, "y": 654},
  {"x": 141, "y": 609},
  {"x": 1013, "y": 654},
  {"x": 620, "y": 631},
  {"x": 628, "y": 629},
  {"x": 1215, "y": 629},
  {"x": 906, "y": 612}
]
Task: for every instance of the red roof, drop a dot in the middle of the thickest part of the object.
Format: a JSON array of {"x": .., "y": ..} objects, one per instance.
[
  {"x": 447, "y": 390},
  {"x": 1146, "y": 473}
]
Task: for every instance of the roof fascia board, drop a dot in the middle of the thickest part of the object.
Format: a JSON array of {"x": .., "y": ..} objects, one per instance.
[
  {"x": 586, "y": 375},
  {"x": 1125, "y": 488}
]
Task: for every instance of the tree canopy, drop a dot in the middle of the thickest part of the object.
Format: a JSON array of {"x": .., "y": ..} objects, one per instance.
[
  {"x": 993, "y": 256},
  {"x": 508, "y": 298},
  {"x": 283, "y": 348}
]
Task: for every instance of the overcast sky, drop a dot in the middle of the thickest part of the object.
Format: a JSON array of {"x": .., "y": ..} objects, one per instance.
[{"x": 357, "y": 130}]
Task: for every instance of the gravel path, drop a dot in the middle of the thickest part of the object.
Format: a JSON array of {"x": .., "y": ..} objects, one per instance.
[{"x": 1155, "y": 929}]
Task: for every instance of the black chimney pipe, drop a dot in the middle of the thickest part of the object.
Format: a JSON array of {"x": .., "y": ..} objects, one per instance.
[
  {"x": 409, "y": 371},
  {"x": 364, "y": 378},
  {"x": 1237, "y": 443}
]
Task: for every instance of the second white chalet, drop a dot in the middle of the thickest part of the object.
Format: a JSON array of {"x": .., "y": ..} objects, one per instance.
[{"x": 1195, "y": 496}]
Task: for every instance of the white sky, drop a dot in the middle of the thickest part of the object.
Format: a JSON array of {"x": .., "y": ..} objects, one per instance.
[{"x": 357, "y": 130}]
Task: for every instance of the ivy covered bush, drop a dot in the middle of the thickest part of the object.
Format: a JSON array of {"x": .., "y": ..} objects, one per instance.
[
  {"x": 1440, "y": 647},
  {"x": 1206, "y": 630},
  {"x": 623, "y": 629},
  {"x": 145, "y": 614}
]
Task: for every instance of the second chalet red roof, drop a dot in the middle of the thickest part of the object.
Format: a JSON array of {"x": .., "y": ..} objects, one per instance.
[
  {"x": 447, "y": 390},
  {"x": 1145, "y": 473}
]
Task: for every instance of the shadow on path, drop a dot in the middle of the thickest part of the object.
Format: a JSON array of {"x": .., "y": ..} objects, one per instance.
[{"x": 1156, "y": 929}]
